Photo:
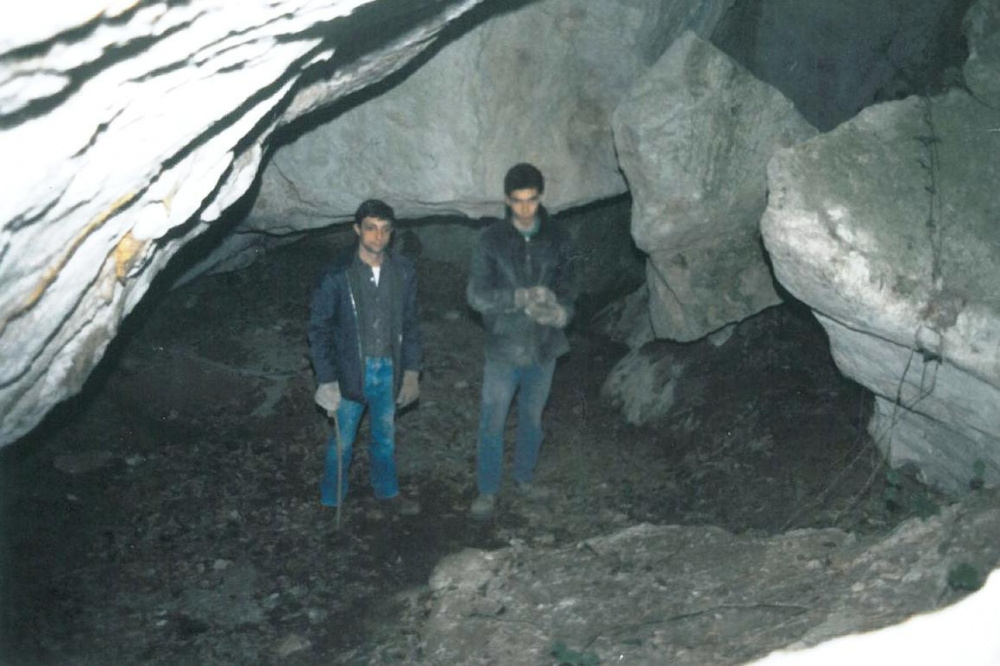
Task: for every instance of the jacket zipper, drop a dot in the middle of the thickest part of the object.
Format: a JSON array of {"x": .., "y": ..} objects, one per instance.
[
  {"x": 357, "y": 329},
  {"x": 533, "y": 330}
]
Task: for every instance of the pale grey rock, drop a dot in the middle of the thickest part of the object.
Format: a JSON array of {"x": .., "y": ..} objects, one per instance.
[
  {"x": 127, "y": 130},
  {"x": 694, "y": 136},
  {"x": 886, "y": 227},
  {"x": 535, "y": 84},
  {"x": 701, "y": 596},
  {"x": 835, "y": 58},
  {"x": 982, "y": 30},
  {"x": 643, "y": 384},
  {"x": 627, "y": 319}
]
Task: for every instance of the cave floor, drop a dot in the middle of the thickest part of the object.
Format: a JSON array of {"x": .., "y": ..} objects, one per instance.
[{"x": 170, "y": 514}]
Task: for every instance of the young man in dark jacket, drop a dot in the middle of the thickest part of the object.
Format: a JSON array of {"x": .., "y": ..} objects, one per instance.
[
  {"x": 365, "y": 345},
  {"x": 522, "y": 283}
]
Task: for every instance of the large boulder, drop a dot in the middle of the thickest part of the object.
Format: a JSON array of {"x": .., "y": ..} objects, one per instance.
[
  {"x": 535, "y": 84},
  {"x": 693, "y": 137},
  {"x": 127, "y": 129},
  {"x": 887, "y": 228},
  {"x": 982, "y": 29}
]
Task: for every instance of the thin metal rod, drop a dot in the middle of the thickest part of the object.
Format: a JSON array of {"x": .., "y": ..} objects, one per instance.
[{"x": 340, "y": 463}]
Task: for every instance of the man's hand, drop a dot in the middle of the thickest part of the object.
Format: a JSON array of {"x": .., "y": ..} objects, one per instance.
[
  {"x": 541, "y": 296},
  {"x": 328, "y": 397},
  {"x": 548, "y": 314},
  {"x": 410, "y": 390}
]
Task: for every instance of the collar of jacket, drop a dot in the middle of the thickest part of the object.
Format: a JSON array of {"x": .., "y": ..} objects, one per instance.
[{"x": 544, "y": 227}]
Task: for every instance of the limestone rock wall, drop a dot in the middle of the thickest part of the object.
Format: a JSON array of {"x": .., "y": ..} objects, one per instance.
[
  {"x": 694, "y": 136},
  {"x": 887, "y": 228},
  {"x": 126, "y": 129},
  {"x": 536, "y": 84}
]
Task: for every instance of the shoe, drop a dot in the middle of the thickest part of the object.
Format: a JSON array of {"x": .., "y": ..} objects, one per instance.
[
  {"x": 403, "y": 505},
  {"x": 483, "y": 506}
]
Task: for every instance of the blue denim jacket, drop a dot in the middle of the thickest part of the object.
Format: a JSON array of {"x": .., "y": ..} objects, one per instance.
[
  {"x": 504, "y": 261},
  {"x": 334, "y": 342}
]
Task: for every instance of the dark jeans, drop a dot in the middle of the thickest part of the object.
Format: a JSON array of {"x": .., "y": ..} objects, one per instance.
[
  {"x": 500, "y": 382},
  {"x": 381, "y": 450}
]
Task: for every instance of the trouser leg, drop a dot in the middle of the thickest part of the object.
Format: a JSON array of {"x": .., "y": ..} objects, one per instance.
[
  {"x": 382, "y": 412},
  {"x": 536, "y": 382},
  {"x": 499, "y": 383}
]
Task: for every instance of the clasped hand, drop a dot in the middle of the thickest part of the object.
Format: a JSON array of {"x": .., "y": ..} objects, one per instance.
[{"x": 541, "y": 305}]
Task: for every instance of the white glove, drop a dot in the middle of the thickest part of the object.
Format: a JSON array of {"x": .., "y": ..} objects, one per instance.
[
  {"x": 328, "y": 397},
  {"x": 410, "y": 390},
  {"x": 541, "y": 296},
  {"x": 548, "y": 314}
]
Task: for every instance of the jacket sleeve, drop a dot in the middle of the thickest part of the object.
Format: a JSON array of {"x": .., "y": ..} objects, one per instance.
[
  {"x": 412, "y": 345},
  {"x": 485, "y": 293},
  {"x": 323, "y": 330}
]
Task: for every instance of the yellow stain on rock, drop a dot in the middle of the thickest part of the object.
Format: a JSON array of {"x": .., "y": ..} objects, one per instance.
[
  {"x": 126, "y": 255},
  {"x": 52, "y": 272}
]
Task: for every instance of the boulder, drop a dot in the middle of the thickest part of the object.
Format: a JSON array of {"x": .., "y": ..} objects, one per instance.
[
  {"x": 127, "y": 129},
  {"x": 982, "y": 30},
  {"x": 886, "y": 227},
  {"x": 537, "y": 83},
  {"x": 693, "y": 137},
  {"x": 702, "y": 596}
]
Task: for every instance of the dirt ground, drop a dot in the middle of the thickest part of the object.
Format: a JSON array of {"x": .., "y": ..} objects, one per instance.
[{"x": 170, "y": 514}]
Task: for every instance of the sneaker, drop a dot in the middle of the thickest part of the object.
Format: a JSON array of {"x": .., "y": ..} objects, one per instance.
[
  {"x": 403, "y": 505},
  {"x": 483, "y": 506}
]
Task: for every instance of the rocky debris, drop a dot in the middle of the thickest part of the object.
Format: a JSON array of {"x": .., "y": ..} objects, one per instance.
[
  {"x": 135, "y": 126},
  {"x": 702, "y": 596},
  {"x": 835, "y": 58},
  {"x": 535, "y": 83},
  {"x": 82, "y": 463},
  {"x": 886, "y": 228},
  {"x": 204, "y": 541},
  {"x": 693, "y": 137}
]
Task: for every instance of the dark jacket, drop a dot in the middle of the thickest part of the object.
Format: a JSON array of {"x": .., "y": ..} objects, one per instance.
[
  {"x": 334, "y": 342},
  {"x": 504, "y": 261}
]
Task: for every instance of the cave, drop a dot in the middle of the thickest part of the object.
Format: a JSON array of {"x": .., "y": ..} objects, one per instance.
[{"x": 774, "y": 436}]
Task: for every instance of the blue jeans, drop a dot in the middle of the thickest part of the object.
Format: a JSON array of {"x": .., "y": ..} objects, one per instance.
[
  {"x": 381, "y": 451},
  {"x": 500, "y": 382}
]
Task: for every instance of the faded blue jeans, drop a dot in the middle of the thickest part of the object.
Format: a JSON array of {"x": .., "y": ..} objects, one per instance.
[
  {"x": 381, "y": 451},
  {"x": 500, "y": 381}
]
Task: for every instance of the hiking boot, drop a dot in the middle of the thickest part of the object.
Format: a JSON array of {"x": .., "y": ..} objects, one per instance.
[
  {"x": 403, "y": 505},
  {"x": 483, "y": 506}
]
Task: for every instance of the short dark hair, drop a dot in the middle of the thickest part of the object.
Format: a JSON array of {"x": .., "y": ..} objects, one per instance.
[
  {"x": 523, "y": 176},
  {"x": 376, "y": 208}
]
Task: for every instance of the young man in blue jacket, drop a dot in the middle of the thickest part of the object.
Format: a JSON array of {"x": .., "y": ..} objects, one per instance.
[
  {"x": 365, "y": 345},
  {"x": 522, "y": 283}
]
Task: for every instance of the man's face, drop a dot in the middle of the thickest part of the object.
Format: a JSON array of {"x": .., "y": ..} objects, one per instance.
[
  {"x": 374, "y": 235},
  {"x": 524, "y": 205}
]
